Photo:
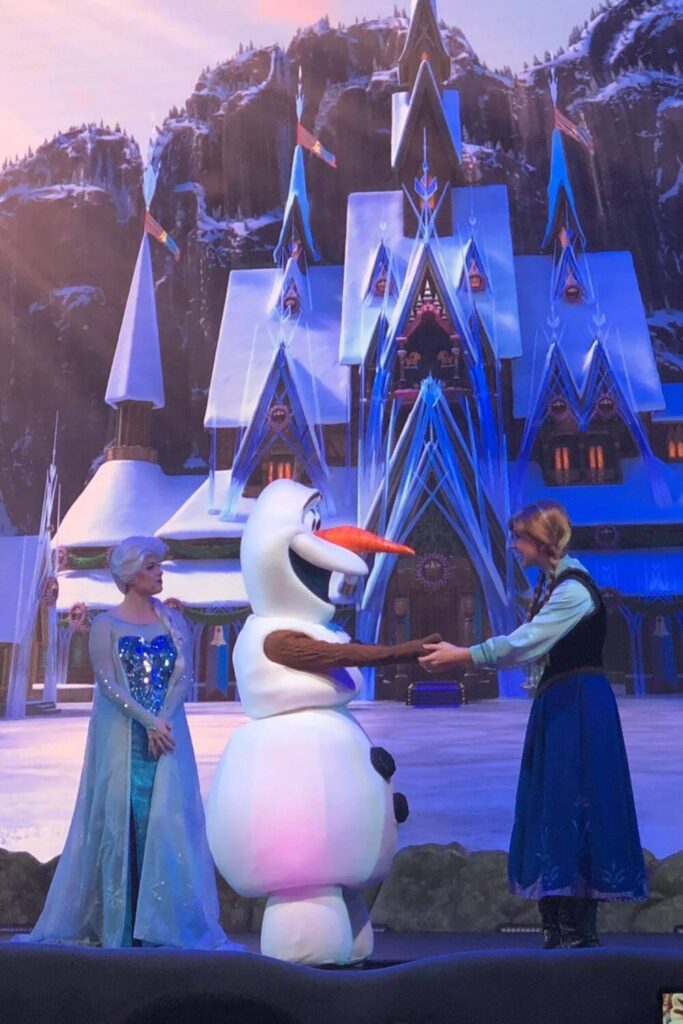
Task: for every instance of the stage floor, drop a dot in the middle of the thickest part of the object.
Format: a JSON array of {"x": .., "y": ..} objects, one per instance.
[
  {"x": 405, "y": 947},
  {"x": 457, "y": 766}
]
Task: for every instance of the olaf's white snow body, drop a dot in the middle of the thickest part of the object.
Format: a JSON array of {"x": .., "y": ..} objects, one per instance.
[{"x": 296, "y": 809}]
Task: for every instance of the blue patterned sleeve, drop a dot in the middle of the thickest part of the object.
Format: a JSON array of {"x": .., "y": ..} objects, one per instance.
[
  {"x": 568, "y": 604},
  {"x": 179, "y": 691},
  {"x": 101, "y": 657}
]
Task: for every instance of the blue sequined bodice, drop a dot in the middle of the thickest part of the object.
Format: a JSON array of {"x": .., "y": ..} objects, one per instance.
[{"x": 148, "y": 666}]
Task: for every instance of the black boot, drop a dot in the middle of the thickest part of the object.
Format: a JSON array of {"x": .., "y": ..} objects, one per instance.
[
  {"x": 569, "y": 924},
  {"x": 577, "y": 923},
  {"x": 587, "y": 922},
  {"x": 549, "y": 907}
]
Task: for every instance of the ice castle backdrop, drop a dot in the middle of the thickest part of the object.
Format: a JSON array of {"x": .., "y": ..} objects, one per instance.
[{"x": 475, "y": 309}]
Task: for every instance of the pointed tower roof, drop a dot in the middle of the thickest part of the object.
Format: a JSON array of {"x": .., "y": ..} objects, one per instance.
[
  {"x": 425, "y": 260},
  {"x": 553, "y": 382},
  {"x": 431, "y": 445},
  {"x": 561, "y": 203},
  {"x": 423, "y": 42},
  {"x": 381, "y": 280},
  {"x": 571, "y": 280},
  {"x": 474, "y": 272},
  {"x": 296, "y": 219},
  {"x": 406, "y": 110},
  {"x": 136, "y": 374},
  {"x": 280, "y": 419},
  {"x": 291, "y": 292}
]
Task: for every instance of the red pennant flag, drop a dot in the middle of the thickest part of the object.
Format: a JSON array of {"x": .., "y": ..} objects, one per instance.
[
  {"x": 308, "y": 141},
  {"x": 568, "y": 127},
  {"x": 154, "y": 228}
]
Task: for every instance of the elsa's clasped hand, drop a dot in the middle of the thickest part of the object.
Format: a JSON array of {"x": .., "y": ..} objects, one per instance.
[
  {"x": 159, "y": 739},
  {"x": 444, "y": 655}
]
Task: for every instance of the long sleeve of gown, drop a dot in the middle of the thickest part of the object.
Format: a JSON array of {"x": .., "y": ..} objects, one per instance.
[
  {"x": 100, "y": 646},
  {"x": 298, "y": 650},
  {"x": 179, "y": 691},
  {"x": 568, "y": 604}
]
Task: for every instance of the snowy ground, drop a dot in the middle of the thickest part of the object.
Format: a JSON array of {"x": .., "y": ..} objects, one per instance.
[{"x": 457, "y": 766}]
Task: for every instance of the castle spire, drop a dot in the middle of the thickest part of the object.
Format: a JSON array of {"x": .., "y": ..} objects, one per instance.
[
  {"x": 296, "y": 238},
  {"x": 563, "y": 224},
  {"x": 136, "y": 384},
  {"x": 563, "y": 219},
  {"x": 423, "y": 42}
]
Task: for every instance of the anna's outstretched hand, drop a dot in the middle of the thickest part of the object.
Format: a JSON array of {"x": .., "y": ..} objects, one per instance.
[{"x": 445, "y": 655}]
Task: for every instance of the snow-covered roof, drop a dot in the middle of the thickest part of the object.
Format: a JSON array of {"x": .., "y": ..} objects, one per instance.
[
  {"x": 17, "y": 561},
  {"x": 652, "y": 573},
  {"x": 197, "y": 584},
  {"x": 633, "y": 501},
  {"x": 618, "y": 310},
  {"x": 250, "y": 334},
  {"x": 405, "y": 108},
  {"x": 481, "y": 213},
  {"x": 125, "y": 498},
  {"x": 213, "y": 583},
  {"x": 136, "y": 373},
  {"x": 673, "y": 400},
  {"x": 193, "y": 521}
]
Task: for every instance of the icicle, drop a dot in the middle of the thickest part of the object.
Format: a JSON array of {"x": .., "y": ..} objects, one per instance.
[{"x": 213, "y": 510}]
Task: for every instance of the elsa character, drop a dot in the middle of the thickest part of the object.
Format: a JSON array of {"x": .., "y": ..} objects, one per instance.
[{"x": 136, "y": 868}]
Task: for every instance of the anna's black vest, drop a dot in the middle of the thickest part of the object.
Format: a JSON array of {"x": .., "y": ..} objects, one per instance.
[{"x": 582, "y": 647}]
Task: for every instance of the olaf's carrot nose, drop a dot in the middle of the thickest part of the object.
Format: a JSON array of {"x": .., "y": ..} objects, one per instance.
[{"x": 362, "y": 542}]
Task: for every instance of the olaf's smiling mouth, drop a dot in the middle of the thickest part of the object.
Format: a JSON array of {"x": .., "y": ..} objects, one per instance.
[{"x": 314, "y": 578}]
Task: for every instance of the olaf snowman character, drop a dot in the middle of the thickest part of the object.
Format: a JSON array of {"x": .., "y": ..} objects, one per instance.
[{"x": 302, "y": 808}]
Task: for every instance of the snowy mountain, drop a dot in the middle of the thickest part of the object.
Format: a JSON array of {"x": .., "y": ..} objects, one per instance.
[{"x": 71, "y": 214}]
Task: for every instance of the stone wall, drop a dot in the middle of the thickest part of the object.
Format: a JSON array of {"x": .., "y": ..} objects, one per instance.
[{"x": 431, "y": 888}]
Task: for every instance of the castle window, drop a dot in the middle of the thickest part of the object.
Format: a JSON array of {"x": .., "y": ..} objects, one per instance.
[
  {"x": 596, "y": 463},
  {"x": 291, "y": 302},
  {"x": 562, "y": 463},
  {"x": 581, "y": 459},
  {"x": 382, "y": 279},
  {"x": 571, "y": 289},
  {"x": 278, "y": 469},
  {"x": 278, "y": 417},
  {"x": 674, "y": 444},
  {"x": 606, "y": 407},
  {"x": 477, "y": 282},
  {"x": 572, "y": 292},
  {"x": 476, "y": 275},
  {"x": 558, "y": 408},
  {"x": 474, "y": 269}
]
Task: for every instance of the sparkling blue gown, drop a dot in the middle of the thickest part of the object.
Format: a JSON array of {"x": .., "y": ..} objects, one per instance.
[
  {"x": 148, "y": 665},
  {"x": 136, "y": 866}
]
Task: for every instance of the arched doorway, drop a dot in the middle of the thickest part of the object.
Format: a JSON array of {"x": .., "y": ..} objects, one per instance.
[{"x": 437, "y": 591}]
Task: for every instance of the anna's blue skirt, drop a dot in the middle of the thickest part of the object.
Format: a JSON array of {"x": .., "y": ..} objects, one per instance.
[{"x": 575, "y": 830}]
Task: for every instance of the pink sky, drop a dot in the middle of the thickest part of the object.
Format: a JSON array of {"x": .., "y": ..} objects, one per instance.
[{"x": 63, "y": 62}]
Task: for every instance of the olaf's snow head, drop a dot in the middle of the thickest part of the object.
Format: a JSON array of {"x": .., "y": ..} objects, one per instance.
[{"x": 287, "y": 561}]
